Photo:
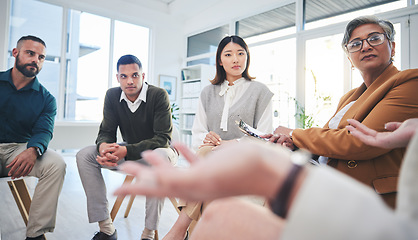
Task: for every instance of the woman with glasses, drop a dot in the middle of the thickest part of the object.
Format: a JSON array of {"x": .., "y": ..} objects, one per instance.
[{"x": 386, "y": 95}]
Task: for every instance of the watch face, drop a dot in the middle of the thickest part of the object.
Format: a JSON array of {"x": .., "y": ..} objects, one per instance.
[{"x": 39, "y": 152}]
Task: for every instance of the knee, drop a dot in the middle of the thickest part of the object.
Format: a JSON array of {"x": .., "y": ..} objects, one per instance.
[
  {"x": 85, "y": 154},
  {"x": 55, "y": 162}
]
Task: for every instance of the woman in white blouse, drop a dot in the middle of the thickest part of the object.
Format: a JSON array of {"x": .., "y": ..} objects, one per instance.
[{"x": 232, "y": 96}]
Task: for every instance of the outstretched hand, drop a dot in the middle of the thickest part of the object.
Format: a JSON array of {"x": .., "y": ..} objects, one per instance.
[
  {"x": 400, "y": 137},
  {"x": 247, "y": 167}
]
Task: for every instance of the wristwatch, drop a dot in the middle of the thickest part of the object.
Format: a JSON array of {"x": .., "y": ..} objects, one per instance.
[
  {"x": 38, "y": 150},
  {"x": 279, "y": 204},
  {"x": 290, "y": 134}
]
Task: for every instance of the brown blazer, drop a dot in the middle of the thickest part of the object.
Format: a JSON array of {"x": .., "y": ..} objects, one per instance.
[{"x": 392, "y": 97}]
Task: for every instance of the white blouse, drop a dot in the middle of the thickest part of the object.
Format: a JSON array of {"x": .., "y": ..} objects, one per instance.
[
  {"x": 231, "y": 96},
  {"x": 333, "y": 124}
]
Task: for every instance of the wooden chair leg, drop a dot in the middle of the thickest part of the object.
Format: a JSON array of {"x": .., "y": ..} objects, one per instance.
[
  {"x": 21, "y": 195},
  {"x": 119, "y": 199},
  {"x": 128, "y": 208}
]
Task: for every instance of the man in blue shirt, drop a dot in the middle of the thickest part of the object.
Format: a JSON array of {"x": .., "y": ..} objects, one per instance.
[{"x": 27, "y": 112}]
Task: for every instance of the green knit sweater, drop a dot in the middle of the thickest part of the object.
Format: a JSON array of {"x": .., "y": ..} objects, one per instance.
[{"x": 149, "y": 127}]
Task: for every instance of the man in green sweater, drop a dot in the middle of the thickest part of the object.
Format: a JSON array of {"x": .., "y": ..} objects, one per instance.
[{"x": 142, "y": 113}]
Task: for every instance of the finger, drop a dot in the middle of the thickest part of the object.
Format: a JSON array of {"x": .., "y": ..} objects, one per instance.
[
  {"x": 367, "y": 139},
  {"x": 111, "y": 157},
  {"x": 155, "y": 159},
  {"x": 288, "y": 145},
  {"x": 132, "y": 168},
  {"x": 101, "y": 160},
  {"x": 114, "y": 149},
  {"x": 213, "y": 139},
  {"x": 268, "y": 135},
  {"x": 12, "y": 163},
  {"x": 18, "y": 171},
  {"x": 217, "y": 136},
  {"x": 186, "y": 152},
  {"x": 281, "y": 139},
  {"x": 14, "y": 168},
  {"x": 25, "y": 171},
  {"x": 136, "y": 189},
  {"x": 109, "y": 164},
  {"x": 274, "y": 138},
  {"x": 29, "y": 170},
  {"x": 361, "y": 127},
  {"x": 392, "y": 126}
]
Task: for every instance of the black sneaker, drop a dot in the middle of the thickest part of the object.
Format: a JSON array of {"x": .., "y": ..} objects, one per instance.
[
  {"x": 41, "y": 237},
  {"x": 104, "y": 236}
]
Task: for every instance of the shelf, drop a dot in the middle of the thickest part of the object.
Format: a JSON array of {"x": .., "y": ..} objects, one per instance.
[
  {"x": 194, "y": 79},
  {"x": 188, "y": 97},
  {"x": 191, "y": 80},
  {"x": 188, "y": 112}
]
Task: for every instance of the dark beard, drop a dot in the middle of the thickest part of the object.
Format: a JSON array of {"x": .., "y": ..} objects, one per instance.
[{"x": 25, "y": 71}]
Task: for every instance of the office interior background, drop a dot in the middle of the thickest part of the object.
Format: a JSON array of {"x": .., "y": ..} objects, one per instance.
[{"x": 294, "y": 46}]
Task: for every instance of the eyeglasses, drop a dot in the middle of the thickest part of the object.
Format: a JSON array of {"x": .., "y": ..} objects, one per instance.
[{"x": 374, "y": 40}]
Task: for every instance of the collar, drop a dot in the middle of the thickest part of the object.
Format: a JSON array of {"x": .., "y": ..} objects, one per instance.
[
  {"x": 141, "y": 97},
  {"x": 225, "y": 85},
  {"x": 7, "y": 77},
  {"x": 390, "y": 71}
]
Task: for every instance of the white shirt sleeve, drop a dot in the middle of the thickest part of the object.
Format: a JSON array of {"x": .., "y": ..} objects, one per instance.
[
  {"x": 331, "y": 205},
  {"x": 200, "y": 127}
]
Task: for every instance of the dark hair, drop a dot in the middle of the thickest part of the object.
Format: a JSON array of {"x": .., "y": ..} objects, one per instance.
[
  {"x": 220, "y": 71},
  {"x": 356, "y": 22},
  {"x": 128, "y": 59},
  {"x": 32, "y": 38}
]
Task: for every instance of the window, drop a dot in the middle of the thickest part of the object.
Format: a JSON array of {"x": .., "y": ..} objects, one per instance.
[
  {"x": 46, "y": 23},
  {"x": 206, "y": 42},
  {"x": 274, "y": 65},
  {"x": 88, "y": 66},
  {"x": 320, "y": 13},
  {"x": 282, "y": 54},
  {"x": 324, "y": 81},
  {"x": 208, "y": 60},
  {"x": 267, "y": 25},
  {"x": 130, "y": 39},
  {"x": 86, "y": 72}
]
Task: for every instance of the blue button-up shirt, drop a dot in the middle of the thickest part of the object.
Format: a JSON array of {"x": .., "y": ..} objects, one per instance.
[{"x": 27, "y": 114}]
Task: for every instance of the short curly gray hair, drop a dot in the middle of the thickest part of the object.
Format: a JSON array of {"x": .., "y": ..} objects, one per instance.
[{"x": 353, "y": 24}]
